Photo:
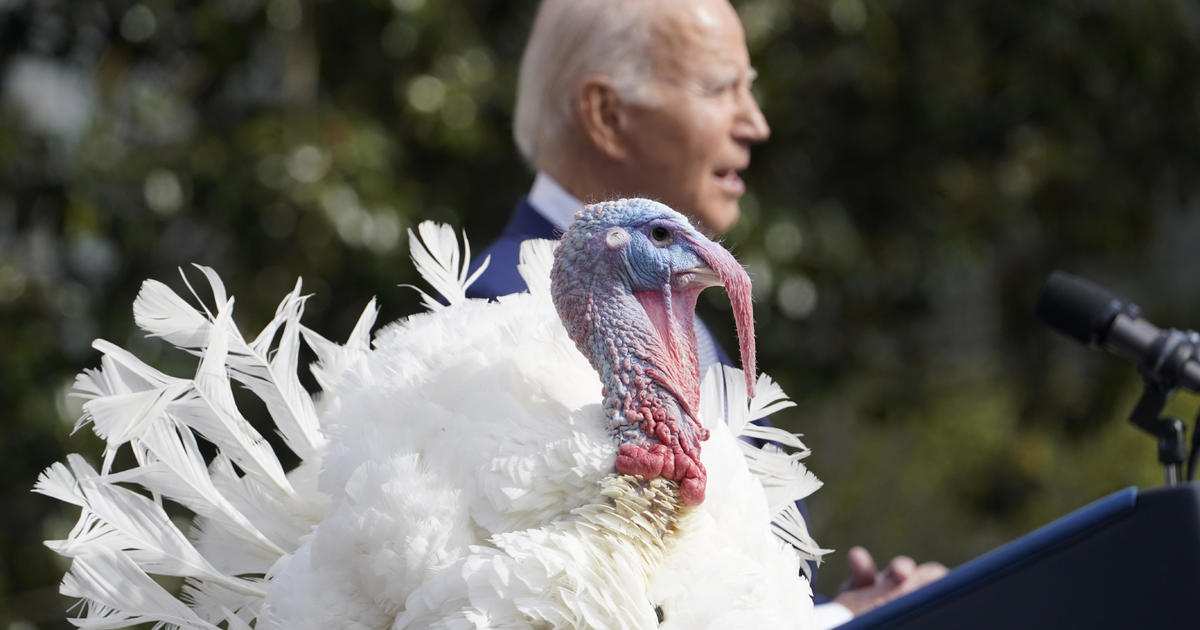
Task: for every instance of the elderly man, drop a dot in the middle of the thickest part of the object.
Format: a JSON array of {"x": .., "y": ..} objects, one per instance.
[{"x": 630, "y": 98}]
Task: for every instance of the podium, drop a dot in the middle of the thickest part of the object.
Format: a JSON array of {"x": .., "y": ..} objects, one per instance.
[{"x": 1129, "y": 560}]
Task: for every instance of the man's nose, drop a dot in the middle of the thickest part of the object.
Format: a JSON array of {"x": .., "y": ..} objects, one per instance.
[{"x": 751, "y": 125}]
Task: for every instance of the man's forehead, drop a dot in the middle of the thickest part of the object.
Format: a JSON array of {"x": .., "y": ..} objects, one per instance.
[
  {"x": 704, "y": 16},
  {"x": 694, "y": 36}
]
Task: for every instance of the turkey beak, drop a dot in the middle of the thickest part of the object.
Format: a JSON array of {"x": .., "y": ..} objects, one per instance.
[
  {"x": 724, "y": 269},
  {"x": 699, "y": 277}
]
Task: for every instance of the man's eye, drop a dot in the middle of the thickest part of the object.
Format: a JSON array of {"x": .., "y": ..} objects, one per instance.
[{"x": 718, "y": 89}]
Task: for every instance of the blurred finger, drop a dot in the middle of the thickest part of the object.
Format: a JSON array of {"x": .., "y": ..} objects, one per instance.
[
  {"x": 929, "y": 572},
  {"x": 862, "y": 567},
  {"x": 922, "y": 575},
  {"x": 900, "y": 569}
]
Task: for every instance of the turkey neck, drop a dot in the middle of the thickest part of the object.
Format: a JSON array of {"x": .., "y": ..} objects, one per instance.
[{"x": 643, "y": 346}]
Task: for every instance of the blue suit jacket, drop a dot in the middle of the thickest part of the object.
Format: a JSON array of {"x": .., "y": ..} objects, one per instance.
[{"x": 501, "y": 277}]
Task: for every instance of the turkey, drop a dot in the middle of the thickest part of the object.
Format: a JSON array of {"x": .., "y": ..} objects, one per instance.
[{"x": 549, "y": 459}]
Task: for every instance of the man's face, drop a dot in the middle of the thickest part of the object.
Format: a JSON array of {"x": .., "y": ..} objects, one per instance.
[{"x": 687, "y": 147}]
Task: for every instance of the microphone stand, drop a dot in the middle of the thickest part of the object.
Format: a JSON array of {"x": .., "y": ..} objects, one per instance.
[
  {"x": 1174, "y": 348},
  {"x": 1168, "y": 431}
]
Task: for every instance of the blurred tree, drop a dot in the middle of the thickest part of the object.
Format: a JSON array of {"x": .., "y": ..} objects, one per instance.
[
  {"x": 930, "y": 164},
  {"x": 269, "y": 140}
]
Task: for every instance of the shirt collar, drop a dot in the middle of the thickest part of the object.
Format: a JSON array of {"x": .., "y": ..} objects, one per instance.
[{"x": 553, "y": 202}]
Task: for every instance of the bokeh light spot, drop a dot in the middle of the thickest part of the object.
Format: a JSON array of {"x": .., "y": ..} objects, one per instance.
[
  {"x": 385, "y": 232},
  {"x": 797, "y": 296},
  {"x": 163, "y": 192},
  {"x": 12, "y": 283},
  {"x": 848, "y": 16},
  {"x": 426, "y": 93},
  {"x": 138, "y": 24},
  {"x": 308, "y": 164},
  {"x": 784, "y": 240}
]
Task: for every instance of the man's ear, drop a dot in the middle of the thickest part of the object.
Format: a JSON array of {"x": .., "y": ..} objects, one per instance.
[{"x": 600, "y": 114}]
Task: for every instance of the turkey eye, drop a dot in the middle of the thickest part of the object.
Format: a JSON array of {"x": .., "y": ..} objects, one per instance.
[{"x": 660, "y": 234}]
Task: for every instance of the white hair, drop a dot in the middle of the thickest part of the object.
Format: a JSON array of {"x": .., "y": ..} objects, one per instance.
[{"x": 570, "y": 41}]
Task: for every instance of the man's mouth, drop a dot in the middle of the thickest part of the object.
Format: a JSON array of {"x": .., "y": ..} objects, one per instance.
[{"x": 730, "y": 181}]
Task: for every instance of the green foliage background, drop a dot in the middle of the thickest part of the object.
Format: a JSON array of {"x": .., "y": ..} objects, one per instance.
[{"x": 930, "y": 164}]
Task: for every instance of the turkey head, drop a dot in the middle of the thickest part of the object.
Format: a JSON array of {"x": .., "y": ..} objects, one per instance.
[{"x": 625, "y": 280}]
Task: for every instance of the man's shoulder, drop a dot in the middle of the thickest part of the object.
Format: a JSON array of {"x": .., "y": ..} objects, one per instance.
[
  {"x": 503, "y": 253},
  {"x": 501, "y": 276}
]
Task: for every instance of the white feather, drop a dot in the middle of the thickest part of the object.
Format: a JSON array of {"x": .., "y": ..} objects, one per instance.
[
  {"x": 219, "y": 420},
  {"x": 121, "y": 373},
  {"x": 162, "y": 313},
  {"x": 437, "y": 257},
  {"x": 275, "y": 381},
  {"x": 119, "y": 594},
  {"x": 214, "y": 283},
  {"x": 174, "y": 467},
  {"x": 124, "y": 398},
  {"x": 119, "y": 519},
  {"x": 535, "y": 258},
  {"x": 334, "y": 360},
  {"x": 782, "y": 474}
]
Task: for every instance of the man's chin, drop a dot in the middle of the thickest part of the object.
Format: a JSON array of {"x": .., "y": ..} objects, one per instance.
[{"x": 718, "y": 219}]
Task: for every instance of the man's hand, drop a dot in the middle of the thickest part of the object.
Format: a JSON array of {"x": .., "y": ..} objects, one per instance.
[{"x": 869, "y": 587}]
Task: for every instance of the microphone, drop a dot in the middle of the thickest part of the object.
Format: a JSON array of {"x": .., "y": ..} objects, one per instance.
[{"x": 1093, "y": 316}]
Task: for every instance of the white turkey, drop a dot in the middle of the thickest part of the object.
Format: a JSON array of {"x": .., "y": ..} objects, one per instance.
[{"x": 549, "y": 459}]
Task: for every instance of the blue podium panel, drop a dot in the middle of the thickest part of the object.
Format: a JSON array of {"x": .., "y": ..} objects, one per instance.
[{"x": 1129, "y": 560}]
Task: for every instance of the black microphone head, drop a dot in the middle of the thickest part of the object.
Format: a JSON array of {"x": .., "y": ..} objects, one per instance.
[{"x": 1077, "y": 308}]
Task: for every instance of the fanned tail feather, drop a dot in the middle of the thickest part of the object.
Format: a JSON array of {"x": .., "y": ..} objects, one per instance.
[
  {"x": 218, "y": 418},
  {"x": 248, "y": 511},
  {"x": 154, "y": 421},
  {"x": 116, "y": 519},
  {"x": 438, "y": 259},
  {"x": 116, "y": 593},
  {"x": 333, "y": 359},
  {"x": 162, "y": 313}
]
